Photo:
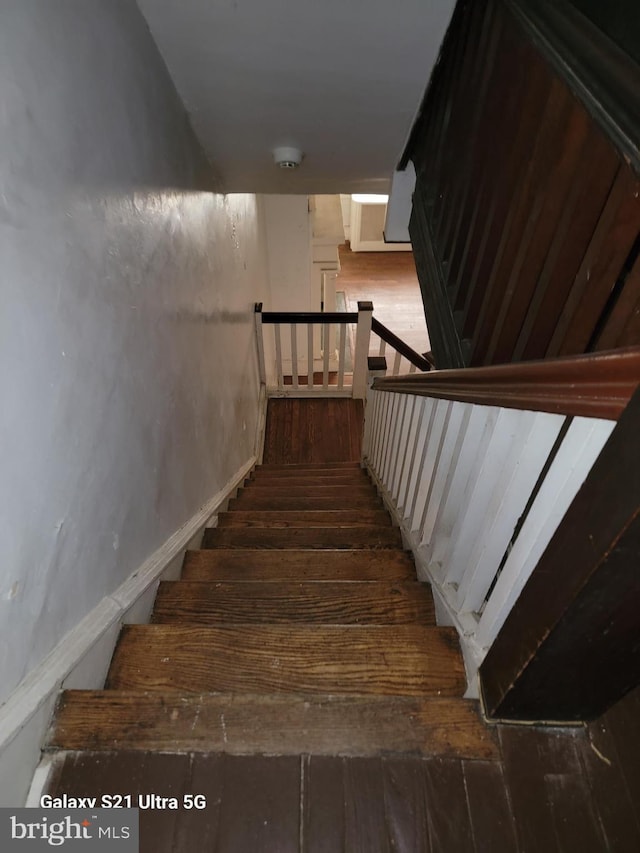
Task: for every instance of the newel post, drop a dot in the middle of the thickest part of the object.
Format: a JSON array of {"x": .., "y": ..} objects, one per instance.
[
  {"x": 363, "y": 334},
  {"x": 376, "y": 367},
  {"x": 257, "y": 313}
]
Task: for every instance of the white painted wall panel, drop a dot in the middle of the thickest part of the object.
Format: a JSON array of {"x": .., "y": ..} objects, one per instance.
[{"x": 127, "y": 356}]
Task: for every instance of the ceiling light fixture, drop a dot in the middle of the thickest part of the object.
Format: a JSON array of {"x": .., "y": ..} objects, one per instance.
[{"x": 287, "y": 157}]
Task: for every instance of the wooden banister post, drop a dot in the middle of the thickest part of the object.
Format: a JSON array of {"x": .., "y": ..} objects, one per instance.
[
  {"x": 260, "y": 343},
  {"x": 363, "y": 334}
]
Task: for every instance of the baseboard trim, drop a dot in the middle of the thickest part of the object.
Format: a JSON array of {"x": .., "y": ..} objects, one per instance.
[{"x": 80, "y": 659}]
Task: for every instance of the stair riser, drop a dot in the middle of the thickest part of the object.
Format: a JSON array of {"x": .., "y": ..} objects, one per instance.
[
  {"x": 260, "y": 504},
  {"x": 310, "y": 482},
  {"x": 353, "y": 474},
  {"x": 293, "y": 491},
  {"x": 308, "y": 518},
  {"x": 302, "y": 537},
  {"x": 312, "y": 466}
]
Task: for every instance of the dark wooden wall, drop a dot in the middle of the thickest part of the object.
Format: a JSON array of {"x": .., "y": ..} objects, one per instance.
[{"x": 526, "y": 215}]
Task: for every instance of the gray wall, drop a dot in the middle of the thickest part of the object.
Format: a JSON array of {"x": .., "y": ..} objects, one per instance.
[{"x": 127, "y": 361}]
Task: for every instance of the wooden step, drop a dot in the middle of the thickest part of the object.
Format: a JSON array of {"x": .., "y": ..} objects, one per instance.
[
  {"x": 302, "y": 537},
  {"x": 282, "y": 565},
  {"x": 352, "y": 475},
  {"x": 307, "y": 491},
  {"x": 250, "y": 500},
  {"x": 348, "y": 603},
  {"x": 309, "y": 481},
  {"x": 310, "y": 466},
  {"x": 402, "y": 660},
  {"x": 242, "y": 724},
  {"x": 305, "y": 518}
]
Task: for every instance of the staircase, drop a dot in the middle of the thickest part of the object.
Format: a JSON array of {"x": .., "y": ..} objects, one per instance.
[{"x": 298, "y": 628}]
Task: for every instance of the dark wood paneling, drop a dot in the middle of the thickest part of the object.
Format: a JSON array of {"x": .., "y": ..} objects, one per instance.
[
  {"x": 445, "y": 342},
  {"x": 604, "y": 78},
  {"x": 574, "y": 228},
  {"x": 571, "y": 645},
  {"x": 601, "y": 267},
  {"x": 623, "y": 323},
  {"x": 526, "y": 209}
]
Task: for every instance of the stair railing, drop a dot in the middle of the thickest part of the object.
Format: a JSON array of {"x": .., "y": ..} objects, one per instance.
[
  {"x": 402, "y": 350},
  {"x": 480, "y": 465},
  {"x": 292, "y": 364}
]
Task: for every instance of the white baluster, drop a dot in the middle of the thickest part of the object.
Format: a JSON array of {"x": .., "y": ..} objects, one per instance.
[
  {"x": 342, "y": 348},
  {"x": 309, "y": 355},
  {"x": 276, "y": 332},
  {"x": 294, "y": 355}
]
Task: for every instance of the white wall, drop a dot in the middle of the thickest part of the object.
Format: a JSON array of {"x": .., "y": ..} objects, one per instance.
[
  {"x": 288, "y": 237},
  {"x": 127, "y": 361},
  {"x": 288, "y": 229}
]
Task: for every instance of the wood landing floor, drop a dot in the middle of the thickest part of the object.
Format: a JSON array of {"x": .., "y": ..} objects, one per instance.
[
  {"x": 390, "y": 281},
  {"x": 571, "y": 790}
]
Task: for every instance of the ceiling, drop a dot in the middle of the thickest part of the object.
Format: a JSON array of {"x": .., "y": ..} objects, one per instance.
[{"x": 340, "y": 79}]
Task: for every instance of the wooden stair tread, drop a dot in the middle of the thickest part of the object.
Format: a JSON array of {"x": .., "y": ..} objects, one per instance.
[
  {"x": 391, "y": 660},
  {"x": 354, "y": 602},
  {"x": 302, "y": 537},
  {"x": 275, "y": 725},
  {"x": 311, "y": 481},
  {"x": 304, "y": 518},
  {"x": 309, "y": 466},
  {"x": 246, "y": 501},
  {"x": 278, "y": 565},
  {"x": 352, "y": 475},
  {"x": 308, "y": 490}
]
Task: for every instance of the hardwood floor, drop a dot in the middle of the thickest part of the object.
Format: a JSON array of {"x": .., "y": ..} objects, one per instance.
[
  {"x": 389, "y": 280},
  {"x": 315, "y": 430},
  {"x": 546, "y": 792}
]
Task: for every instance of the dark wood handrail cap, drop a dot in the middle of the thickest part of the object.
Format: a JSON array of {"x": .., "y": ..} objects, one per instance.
[{"x": 597, "y": 385}]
